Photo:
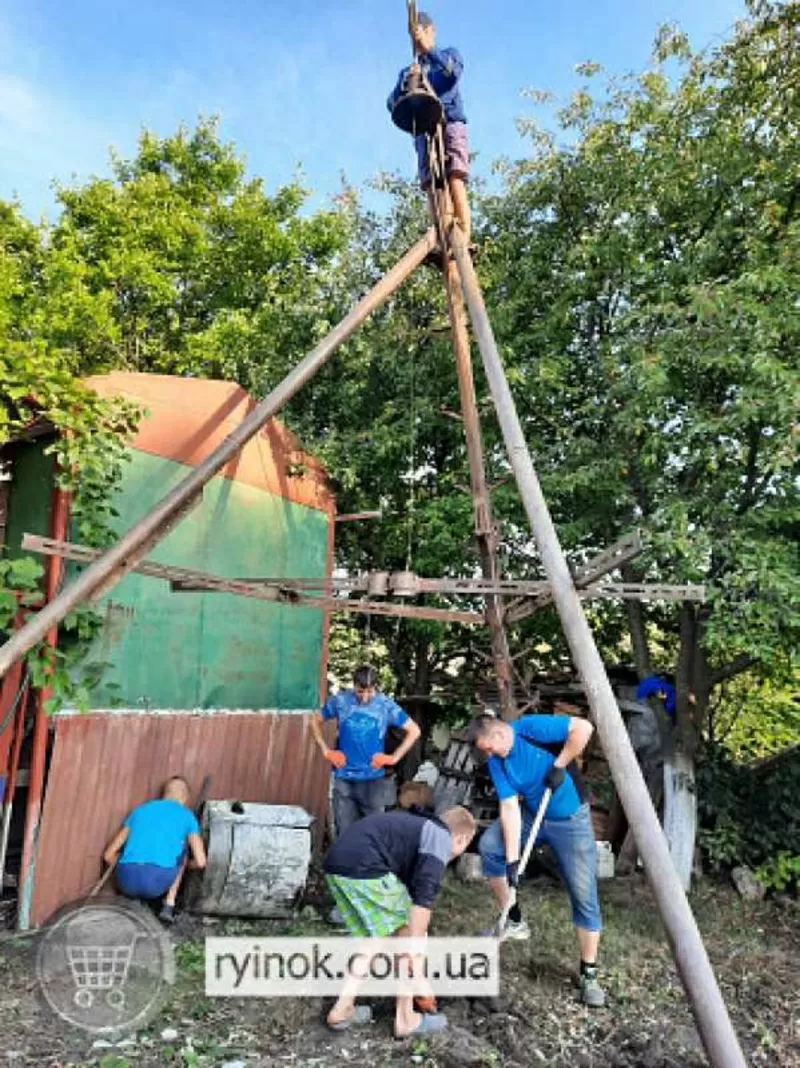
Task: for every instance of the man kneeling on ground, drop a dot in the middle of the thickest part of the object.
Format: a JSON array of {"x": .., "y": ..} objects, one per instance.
[
  {"x": 385, "y": 872},
  {"x": 520, "y": 766},
  {"x": 155, "y": 840}
]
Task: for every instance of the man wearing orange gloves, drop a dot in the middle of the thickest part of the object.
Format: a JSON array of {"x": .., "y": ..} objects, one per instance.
[{"x": 363, "y": 717}]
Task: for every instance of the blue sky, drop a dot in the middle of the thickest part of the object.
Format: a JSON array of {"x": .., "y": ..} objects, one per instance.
[{"x": 293, "y": 83}]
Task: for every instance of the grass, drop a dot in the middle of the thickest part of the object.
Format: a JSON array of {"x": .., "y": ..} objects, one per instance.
[{"x": 647, "y": 1024}]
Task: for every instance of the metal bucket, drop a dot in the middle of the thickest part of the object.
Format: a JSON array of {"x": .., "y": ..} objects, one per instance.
[{"x": 258, "y": 858}]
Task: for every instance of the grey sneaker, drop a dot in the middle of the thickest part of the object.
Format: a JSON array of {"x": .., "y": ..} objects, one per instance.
[
  {"x": 592, "y": 994},
  {"x": 514, "y": 932}
]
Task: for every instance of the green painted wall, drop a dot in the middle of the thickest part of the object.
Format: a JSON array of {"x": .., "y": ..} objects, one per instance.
[
  {"x": 30, "y": 498},
  {"x": 210, "y": 650}
]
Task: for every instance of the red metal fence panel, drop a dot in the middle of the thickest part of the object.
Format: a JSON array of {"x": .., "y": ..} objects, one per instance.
[{"x": 104, "y": 764}]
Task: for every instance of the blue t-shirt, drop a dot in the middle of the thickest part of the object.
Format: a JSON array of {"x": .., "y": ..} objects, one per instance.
[
  {"x": 157, "y": 833},
  {"x": 362, "y": 731},
  {"x": 524, "y": 770}
]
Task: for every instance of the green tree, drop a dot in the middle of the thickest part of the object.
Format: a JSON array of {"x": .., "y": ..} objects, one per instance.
[
  {"x": 643, "y": 266},
  {"x": 177, "y": 264},
  {"x": 180, "y": 264}
]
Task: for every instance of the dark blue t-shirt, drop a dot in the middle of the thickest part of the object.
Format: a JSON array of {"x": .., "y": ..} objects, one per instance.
[
  {"x": 414, "y": 847},
  {"x": 523, "y": 771},
  {"x": 653, "y": 686},
  {"x": 157, "y": 833},
  {"x": 443, "y": 68},
  {"x": 362, "y": 731}
]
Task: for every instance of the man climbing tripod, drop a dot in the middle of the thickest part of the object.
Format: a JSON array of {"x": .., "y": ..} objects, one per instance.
[{"x": 441, "y": 69}]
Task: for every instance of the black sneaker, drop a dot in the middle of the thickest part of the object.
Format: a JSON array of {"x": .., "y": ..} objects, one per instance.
[{"x": 167, "y": 914}]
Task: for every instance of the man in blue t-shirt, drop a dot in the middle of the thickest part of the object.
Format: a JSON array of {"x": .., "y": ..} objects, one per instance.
[
  {"x": 155, "y": 841},
  {"x": 363, "y": 717},
  {"x": 522, "y": 767}
]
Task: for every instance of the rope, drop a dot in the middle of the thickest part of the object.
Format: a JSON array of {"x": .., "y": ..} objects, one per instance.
[
  {"x": 412, "y": 460},
  {"x": 436, "y": 168}
]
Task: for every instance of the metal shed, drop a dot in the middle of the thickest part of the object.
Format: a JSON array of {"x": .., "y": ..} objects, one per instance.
[{"x": 195, "y": 683}]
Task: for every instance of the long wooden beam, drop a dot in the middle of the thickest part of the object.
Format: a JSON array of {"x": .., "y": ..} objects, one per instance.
[
  {"x": 295, "y": 590},
  {"x": 710, "y": 1012},
  {"x": 187, "y": 580},
  {"x": 485, "y": 529}
]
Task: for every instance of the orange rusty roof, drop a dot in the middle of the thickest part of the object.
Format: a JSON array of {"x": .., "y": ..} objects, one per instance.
[{"x": 187, "y": 418}]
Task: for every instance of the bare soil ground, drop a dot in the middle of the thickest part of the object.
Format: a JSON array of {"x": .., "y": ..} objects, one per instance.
[{"x": 754, "y": 947}]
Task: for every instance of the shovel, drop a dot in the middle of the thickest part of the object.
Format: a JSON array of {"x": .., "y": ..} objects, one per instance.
[
  {"x": 523, "y": 863},
  {"x": 190, "y": 892}
]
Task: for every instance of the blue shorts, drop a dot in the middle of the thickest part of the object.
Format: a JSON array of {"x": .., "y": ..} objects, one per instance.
[
  {"x": 572, "y": 841},
  {"x": 146, "y": 881}
]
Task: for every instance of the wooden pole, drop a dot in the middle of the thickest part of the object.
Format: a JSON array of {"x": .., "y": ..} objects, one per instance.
[{"x": 485, "y": 532}]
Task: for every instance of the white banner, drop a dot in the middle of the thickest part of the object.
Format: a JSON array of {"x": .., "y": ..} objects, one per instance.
[{"x": 380, "y": 967}]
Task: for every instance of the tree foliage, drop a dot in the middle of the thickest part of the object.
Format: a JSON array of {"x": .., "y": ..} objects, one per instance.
[
  {"x": 177, "y": 264},
  {"x": 643, "y": 271}
]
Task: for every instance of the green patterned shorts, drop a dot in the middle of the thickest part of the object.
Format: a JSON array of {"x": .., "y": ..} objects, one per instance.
[{"x": 371, "y": 907}]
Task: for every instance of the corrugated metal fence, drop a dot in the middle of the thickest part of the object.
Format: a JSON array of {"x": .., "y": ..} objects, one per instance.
[{"x": 104, "y": 764}]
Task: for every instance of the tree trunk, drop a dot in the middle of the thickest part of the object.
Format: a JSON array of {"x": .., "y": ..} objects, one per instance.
[{"x": 637, "y": 626}]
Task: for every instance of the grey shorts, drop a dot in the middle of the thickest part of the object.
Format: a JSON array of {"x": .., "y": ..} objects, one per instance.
[{"x": 456, "y": 151}]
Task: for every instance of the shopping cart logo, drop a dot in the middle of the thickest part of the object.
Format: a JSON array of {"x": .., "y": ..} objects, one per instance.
[
  {"x": 105, "y": 966},
  {"x": 100, "y": 969}
]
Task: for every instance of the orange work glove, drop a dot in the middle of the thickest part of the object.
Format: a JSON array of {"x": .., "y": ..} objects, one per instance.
[
  {"x": 335, "y": 757},
  {"x": 425, "y": 1004},
  {"x": 383, "y": 760}
]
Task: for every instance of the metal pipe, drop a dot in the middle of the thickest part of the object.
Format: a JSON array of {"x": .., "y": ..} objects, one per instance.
[
  {"x": 485, "y": 532},
  {"x": 147, "y": 529},
  {"x": 711, "y": 1015},
  {"x": 59, "y": 518}
]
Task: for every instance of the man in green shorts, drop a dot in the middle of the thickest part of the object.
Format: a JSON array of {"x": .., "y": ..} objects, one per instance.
[{"x": 385, "y": 872}]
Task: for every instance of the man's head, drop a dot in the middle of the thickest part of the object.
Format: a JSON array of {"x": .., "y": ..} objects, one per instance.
[
  {"x": 491, "y": 736},
  {"x": 426, "y": 32},
  {"x": 461, "y": 824},
  {"x": 365, "y": 683},
  {"x": 176, "y": 789},
  {"x": 415, "y": 793}
]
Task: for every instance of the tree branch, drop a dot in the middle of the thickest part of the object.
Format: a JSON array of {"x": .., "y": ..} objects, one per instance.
[{"x": 732, "y": 669}]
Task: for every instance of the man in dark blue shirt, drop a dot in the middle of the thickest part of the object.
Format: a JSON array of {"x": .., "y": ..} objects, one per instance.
[
  {"x": 443, "y": 68},
  {"x": 521, "y": 767},
  {"x": 385, "y": 873}
]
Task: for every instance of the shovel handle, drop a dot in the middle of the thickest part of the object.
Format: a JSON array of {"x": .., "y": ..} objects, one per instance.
[{"x": 526, "y": 856}]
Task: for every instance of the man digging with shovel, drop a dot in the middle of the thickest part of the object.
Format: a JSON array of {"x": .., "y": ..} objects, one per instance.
[{"x": 520, "y": 766}]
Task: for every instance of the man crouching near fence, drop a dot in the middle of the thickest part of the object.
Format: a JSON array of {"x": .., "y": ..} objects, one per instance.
[{"x": 385, "y": 872}]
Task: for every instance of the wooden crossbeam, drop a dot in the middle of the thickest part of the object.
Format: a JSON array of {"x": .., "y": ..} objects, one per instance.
[
  {"x": 295, "y": 591},
  {"x": 185, "y": 580}
]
